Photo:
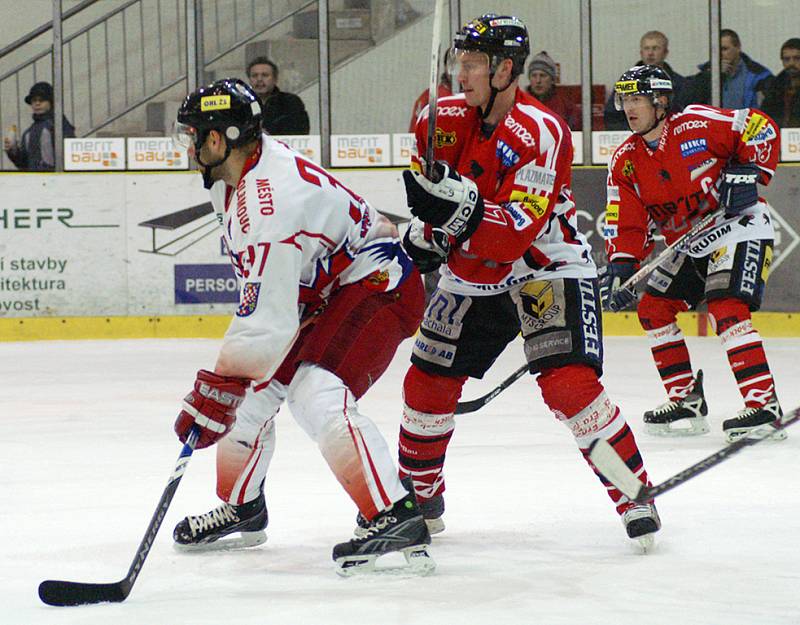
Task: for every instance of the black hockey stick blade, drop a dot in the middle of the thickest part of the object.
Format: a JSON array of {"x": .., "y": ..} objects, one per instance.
[
  {"x": 61, "y": 593},
  {"x": 58, "y": 593},
  {"x": 476, "y": 404},
  {"x": 617, "y": 472}
]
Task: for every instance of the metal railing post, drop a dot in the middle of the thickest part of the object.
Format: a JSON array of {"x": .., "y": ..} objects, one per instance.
[
  {"x": 714, "y": 49},
  {"x": 191, "y": 45},
  {"x": 58, "y": 87},
  {"x": 586, "y": 79},
  {"x": 324, "y": 85}
]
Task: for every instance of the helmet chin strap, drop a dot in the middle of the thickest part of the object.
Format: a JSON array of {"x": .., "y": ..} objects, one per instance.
[
  {"x": 657, "y": 121},
  {"x": 207, "y": 167},
  {"x": 493, "y": 94}
]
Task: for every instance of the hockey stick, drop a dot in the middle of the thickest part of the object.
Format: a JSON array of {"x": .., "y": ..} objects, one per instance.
[
  {"x": 683, "y": 240},
  {"x": 603, "y": 456},
  {"x": 476, "y": 404},
  {"x": 60, "y": 593},
  {"x": 433, "y": 86}
]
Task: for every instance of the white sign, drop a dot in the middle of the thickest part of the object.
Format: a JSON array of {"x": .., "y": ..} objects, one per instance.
[
  {"x": 577, "y": 145},
  {"x": 402, "y": 146},
  {"x": 94, "y": 154},
  {"x": 360, "y": 150},
  {"x": 605, "y": 142},
  {"x": 790, "y": 144},
  {"x": 156, "y": 153},
  {"x": 308, "y": 145}
]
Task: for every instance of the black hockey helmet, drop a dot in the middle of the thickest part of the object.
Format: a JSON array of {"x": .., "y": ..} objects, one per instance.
[
  {"x": 644, "y": 80},
  {"x": 499, "y": 36},
  {"x": 229, "y": 106}
]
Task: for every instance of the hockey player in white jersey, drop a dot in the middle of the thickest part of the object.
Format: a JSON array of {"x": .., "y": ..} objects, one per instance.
[{"x": 326, "y": 295}]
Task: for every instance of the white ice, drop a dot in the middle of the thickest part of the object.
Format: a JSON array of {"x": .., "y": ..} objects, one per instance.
[{"x": 87, "y": 446}]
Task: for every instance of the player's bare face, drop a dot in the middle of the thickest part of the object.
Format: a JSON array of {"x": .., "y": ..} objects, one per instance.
[
  {"x": 210, "y": 152},
  {"x": 262, "y": 79},
  {"x": 640, "y": 112},
  {"x": 472, "y": 71}
]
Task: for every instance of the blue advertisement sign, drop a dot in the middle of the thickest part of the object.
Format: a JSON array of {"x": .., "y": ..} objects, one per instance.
[{"x": 206, "y": 284}]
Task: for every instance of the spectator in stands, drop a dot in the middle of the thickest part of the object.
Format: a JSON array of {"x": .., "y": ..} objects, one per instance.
[
  {"x": 283, "y": 113},
  {"x": 36, "y": 150},
  {"x": 542, "y": 75},
  {"x": 744, "y": 82},
  {"x": 653, "y": 50},
  {"x": 782, "y": 100},
  {"x": 445, "y": 89}
]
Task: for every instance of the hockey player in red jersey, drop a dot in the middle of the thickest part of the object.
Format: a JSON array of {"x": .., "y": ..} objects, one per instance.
[
  {"x": 671, "y": 172},
  {"x": 498, "y": 220},
  {"x": 327, "y": 294}
]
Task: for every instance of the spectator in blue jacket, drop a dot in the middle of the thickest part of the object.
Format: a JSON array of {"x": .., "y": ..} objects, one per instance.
[
  {"x": 782, "y": 101},
  {"x": 744, "y": 81}
]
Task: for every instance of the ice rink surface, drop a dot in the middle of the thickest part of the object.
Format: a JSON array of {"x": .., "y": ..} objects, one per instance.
[{"x": 87, "y": 446}]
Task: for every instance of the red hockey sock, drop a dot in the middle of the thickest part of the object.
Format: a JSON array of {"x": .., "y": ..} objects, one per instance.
[
  {"x": 426, "y": 429},
  {"x": 576, "y": 396},
  {"x": 731, "y": 321},
  {"x": 657, "y": 316}
]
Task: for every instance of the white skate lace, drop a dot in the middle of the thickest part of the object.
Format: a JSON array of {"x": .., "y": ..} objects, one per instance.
[
  {"x": 217, "y": 517},
  {"x": 668, "y": 406},
  {"x": 379, "y": 525}
]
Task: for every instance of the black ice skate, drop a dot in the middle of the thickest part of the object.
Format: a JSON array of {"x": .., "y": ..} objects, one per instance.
[
  {"x": 203, "y": 532},
  {"x": 432, "y": 511},
  {"x": 750, "y": 419},
  {"x": 401, "y": 529},
  {"x": 641, "y": 523},
  {"x": 681, "y": 417}
]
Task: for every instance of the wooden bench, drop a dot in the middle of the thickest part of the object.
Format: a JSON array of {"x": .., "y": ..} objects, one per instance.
[{"x": 176, "y": 220}]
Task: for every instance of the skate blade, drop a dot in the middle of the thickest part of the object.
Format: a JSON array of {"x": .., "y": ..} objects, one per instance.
[
  {"x": 243, "y": 541},
  {"x": 734, "y": 434},
  {"x": 435, "y": 526},
  {"x": 414, "y": 561},
  {"x": 694, "y": 426},
  {"x": 646, "y": 543}
]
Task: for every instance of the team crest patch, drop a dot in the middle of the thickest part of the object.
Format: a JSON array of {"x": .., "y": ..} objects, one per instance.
[
  {"x": 249, "y": 299},
  {"x": 442, "y": 138},
  {"x": 627, "y": 169}
]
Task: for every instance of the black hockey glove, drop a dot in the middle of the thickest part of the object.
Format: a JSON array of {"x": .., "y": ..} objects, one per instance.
[
  {"x": 611, "y": 277},
  {"x": 738, "y": 188},
  {"x": 426, "y": 255},
  {"x": 452, "y": 204}
]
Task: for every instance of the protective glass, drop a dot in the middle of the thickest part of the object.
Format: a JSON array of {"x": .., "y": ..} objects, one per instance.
[
  {"x": 468, "y": 64},
  {"x": 183, "y": 135}
]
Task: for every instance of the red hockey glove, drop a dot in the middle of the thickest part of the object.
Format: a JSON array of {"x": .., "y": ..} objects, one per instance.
[{"x": 212, "y": 406}]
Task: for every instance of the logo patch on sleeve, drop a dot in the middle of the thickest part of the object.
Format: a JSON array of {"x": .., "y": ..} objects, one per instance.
[
  {"x": 754, "y": 126},
  {"x": 534, "y": 204},
  {"x": 249, "y": 299},
  {"x": 693, "y": 146}
]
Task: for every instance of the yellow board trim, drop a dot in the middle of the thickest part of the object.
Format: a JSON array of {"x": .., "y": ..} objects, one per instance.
[{"x": 768, "y": 324}]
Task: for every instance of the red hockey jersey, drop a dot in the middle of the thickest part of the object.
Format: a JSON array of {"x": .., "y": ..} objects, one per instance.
[
  {"x": 523, "y": 171},
  {"x": 668, "y": 188}
]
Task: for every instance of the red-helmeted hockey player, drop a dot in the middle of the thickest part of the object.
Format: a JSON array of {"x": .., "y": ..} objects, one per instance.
[
  {"x": 671, "y": 172},
  {"x": 327, "y": 294},
  {"x": 498, "y": 219}
]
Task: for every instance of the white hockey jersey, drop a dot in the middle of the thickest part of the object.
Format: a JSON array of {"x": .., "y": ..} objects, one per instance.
[{"x": 295, "y": 235}]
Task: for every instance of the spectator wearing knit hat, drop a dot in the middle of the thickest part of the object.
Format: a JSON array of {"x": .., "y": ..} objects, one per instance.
[
  {"x": 36, "y": 150},
  {"x": 542, "y": 74}
]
